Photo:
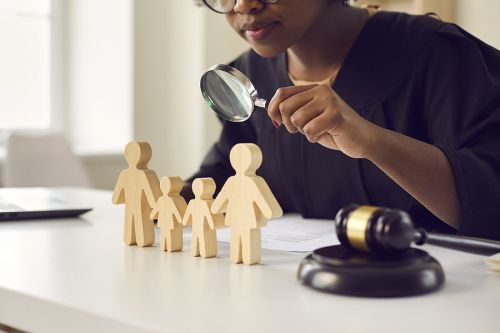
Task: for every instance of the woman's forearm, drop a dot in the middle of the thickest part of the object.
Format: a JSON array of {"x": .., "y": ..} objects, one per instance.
[{"x": 420, "y": 169}]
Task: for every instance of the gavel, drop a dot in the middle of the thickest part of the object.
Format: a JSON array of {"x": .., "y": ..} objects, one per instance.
[{"x": 381, "y": 230}]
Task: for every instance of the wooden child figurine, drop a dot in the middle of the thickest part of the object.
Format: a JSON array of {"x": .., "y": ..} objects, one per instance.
[
  {"x": 204, "y": 223},
  {"x": 247, "y": 201},
  {"x": 138, "y": 188},
  {"x": 169, "y": 210}
]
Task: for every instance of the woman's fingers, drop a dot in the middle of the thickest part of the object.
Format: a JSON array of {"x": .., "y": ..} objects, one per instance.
[
  {"x": 306, "y": 113},
  {"x": 281, "y": 95},
  {"x": 326, "y": 140},
  {"x": 289, "y": 107},
  {"x": 320, "y": 114},
  {"x": 328, "y": 120},
  {"x": 315, "y": 110}
]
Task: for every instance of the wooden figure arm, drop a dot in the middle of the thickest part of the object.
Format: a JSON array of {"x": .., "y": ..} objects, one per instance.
[
  {"x": 155, "y": 212},
  {"x": 151, "y": 187},
  {"x": 210, "y": 221},
  {"x": 179, "y": 208},
  {"x": 177, "y": 215},
  {"x": 208, "y": 216},
  {"x": 218, "y": 220},
  {"x": 220, "y": 203},
  {"x": 265, "y": 200},
  {"x": 119, "y": 192},
  {"x": 187, "y": 218}
]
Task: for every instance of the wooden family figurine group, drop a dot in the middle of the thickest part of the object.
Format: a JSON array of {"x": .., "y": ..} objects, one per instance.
[{"x": 245, "y": 198}]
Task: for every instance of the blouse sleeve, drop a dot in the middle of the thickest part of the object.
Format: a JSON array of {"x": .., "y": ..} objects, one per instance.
[{"x": 461, "y": 87}]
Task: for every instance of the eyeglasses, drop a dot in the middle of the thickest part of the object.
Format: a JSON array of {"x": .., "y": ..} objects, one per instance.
[{"x": 226, "y": 6}]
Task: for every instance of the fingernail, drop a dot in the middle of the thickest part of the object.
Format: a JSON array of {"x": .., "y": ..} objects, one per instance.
[{"x": 275, "y": 124}]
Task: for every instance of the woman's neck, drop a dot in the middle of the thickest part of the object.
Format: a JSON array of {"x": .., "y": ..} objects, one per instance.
[{"x": 321, "y": 51}]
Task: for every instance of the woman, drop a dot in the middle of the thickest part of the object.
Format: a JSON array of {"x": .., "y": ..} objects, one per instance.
[{"x": 385, "y": 109}]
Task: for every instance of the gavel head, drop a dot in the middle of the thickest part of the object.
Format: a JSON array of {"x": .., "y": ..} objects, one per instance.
[{"x": 374, "y": 229}]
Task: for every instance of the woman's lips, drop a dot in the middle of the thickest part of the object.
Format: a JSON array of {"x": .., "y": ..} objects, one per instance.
[{"x": 260, "y": 32}]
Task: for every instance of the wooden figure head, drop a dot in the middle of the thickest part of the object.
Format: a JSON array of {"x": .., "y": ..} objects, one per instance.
[
  {"x": 204, "y": 188},
  {"x": 138, "y": 154},
  {"x": 171, "y": 186},
  {"x": 245, "y": 158}
]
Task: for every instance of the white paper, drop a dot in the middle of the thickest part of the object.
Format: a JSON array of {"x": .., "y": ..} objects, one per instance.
[{"x": 291, "y": 233}]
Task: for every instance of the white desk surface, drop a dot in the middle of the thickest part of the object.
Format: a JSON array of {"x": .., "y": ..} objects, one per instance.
[{"x": 77, "y": 276}]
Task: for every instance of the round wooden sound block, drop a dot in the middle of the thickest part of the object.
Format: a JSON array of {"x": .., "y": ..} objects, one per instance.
[{"x": 340, "y": 270}]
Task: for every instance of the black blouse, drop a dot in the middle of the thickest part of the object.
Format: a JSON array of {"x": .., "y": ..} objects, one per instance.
[{"x": 418, "y": 76}]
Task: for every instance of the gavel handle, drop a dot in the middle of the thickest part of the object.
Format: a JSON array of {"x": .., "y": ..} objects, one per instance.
[{"x": 460, "y": 243}]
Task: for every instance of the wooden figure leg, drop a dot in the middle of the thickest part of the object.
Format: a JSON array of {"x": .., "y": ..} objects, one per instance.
[
  {"x": 163, "y": 241},
  {"x": 235, "y": 247},
  {"x": 175, "y": 240},
  {"x": 195, "y": 246},
  {"x": 145, "y": 231},
  {"x": 129, "y": 228},
  {"x": 208, "y": 244},
  {"x": 251, "y": 246}
]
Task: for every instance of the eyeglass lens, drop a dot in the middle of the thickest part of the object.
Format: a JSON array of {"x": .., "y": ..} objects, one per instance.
[{"x": 226, "y": 6}]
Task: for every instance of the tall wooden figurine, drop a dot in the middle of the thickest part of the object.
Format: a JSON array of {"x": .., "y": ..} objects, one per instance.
[
  {"x": 138, "y": 188},
  {"x": 169, "y": 210},
  {"x": 204, "y": 223},
  {"x": 247, "y": 201}
]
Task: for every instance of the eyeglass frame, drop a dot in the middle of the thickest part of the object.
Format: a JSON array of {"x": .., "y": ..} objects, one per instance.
[{"x": 214, "y": 10}]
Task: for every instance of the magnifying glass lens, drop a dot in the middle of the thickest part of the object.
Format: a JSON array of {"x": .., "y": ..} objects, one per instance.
[{"x": 226, "y": 95}]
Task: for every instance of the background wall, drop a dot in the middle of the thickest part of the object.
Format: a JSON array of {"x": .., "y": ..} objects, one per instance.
[
  {"x": 99, "y": 82},
  {"x": 480, "y": 18}
]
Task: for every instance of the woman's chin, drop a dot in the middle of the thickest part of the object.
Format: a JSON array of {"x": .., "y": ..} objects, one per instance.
[{"x": 267, "y": 51}]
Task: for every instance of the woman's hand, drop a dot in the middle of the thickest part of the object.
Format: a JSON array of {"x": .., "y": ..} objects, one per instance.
[
  {"x": 419, "y": 168},
  {"x": 323, "y": 117}
]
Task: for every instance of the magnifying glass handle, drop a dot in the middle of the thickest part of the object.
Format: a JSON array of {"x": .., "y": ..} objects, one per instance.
[{"x": 261, "y": 103}]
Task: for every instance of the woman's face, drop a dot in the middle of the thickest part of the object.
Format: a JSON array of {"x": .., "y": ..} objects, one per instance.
[{"x": 272, "y": 28}]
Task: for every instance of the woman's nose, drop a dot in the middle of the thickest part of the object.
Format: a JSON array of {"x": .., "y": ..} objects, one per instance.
[{"x": 248, "y": 6}]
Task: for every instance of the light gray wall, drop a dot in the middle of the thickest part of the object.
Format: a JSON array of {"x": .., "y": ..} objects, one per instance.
[
  {"x": 98, "y": 72},
  {"x": 481, "y": 18}
]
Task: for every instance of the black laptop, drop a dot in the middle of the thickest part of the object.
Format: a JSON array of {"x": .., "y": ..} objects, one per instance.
[{"x": 36, "y": 203}]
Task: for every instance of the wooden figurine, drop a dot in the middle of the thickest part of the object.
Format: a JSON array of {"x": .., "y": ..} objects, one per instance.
[
  {"x": 247, "y": 201},
  {"x": 204, "y": 223},
  {"x": 138, "y": 188},
  {"x": 169, "y": 210}
]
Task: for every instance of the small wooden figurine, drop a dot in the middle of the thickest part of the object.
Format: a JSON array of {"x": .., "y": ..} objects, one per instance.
[
  {"x": 247, "y": 201},
  {"x": 138, "y": 188},
  {"x": 204, "y": 223},
  {"x": 169, "y": 210}
]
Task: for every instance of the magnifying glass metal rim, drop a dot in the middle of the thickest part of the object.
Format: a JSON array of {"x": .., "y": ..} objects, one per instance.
[{"x": 240, "y": 77}]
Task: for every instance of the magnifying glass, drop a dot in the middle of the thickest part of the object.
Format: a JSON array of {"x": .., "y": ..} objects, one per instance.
[{"x": 230, "y": 93}]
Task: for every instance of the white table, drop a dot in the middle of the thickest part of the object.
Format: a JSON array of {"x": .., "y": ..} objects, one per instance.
[{"x": 75, "y": 275}]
